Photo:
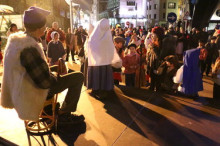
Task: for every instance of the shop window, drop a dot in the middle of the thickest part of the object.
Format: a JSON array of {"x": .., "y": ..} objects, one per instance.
[{"x": 171, "y": 5}]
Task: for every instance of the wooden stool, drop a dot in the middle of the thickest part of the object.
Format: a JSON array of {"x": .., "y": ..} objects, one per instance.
[{"x": 46, "y": 124}]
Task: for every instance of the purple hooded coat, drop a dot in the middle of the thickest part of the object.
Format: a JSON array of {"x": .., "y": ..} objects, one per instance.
[{"x": 192, "y": 78}]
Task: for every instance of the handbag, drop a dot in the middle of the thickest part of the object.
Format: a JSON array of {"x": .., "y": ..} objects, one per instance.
[{"x": 61, "y": 70}]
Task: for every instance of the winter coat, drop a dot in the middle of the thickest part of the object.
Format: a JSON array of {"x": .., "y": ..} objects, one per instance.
[{"x": 18, "y": 89}]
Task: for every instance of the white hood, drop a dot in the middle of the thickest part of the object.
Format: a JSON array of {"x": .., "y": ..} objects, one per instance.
[{"x": 101, "y": 50}]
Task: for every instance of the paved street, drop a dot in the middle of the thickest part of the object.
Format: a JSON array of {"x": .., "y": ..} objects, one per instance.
[{"x": 133, "y": 117}]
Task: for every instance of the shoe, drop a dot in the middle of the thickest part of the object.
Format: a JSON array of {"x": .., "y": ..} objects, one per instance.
[
  {"x": 69, "y": 118},
  {"x": 48, "y": 109}
]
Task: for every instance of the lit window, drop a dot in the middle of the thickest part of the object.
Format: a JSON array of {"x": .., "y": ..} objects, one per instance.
[{"x": 172, "y": 5}]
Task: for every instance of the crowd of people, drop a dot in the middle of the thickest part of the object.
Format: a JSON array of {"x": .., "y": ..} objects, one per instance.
[
  {"x": 161, "y": 59},
  {"x": 170, "y": 59}
]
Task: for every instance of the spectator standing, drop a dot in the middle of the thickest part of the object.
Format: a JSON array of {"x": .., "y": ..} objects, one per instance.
[
  {"x": 70, "y": 45},
  {"x": 81, "y": 35},
  {"x": 44, "y": 41},
  {"x": 55, "y": 49},
  {"x": 202, "y": 56},
  {"x": 131, "y": 64},
  {"x": 212, "y": 49},
  {"x": 55, "y": 27},
  {"x": 13, "y": 29},
  {"x": 119, "y": 44}
]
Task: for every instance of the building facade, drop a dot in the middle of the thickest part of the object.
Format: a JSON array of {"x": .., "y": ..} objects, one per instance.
[
  {"x": 132, "y": 12},
  {"x": 157, "y": 11},
  {"x": 59, "y": 10},
  {"x": 139, "y": 12}
]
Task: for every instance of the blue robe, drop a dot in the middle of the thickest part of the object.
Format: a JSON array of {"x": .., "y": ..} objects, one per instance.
[{"x": 192, "y": 78}]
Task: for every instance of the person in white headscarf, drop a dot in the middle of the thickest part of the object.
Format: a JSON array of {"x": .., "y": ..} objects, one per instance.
[
  {"x": 55, "y": 49},
  {"x": 101, "y": 55}
]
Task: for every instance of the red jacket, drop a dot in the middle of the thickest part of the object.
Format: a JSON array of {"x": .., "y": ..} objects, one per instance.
[{"x": 131, "y": 63}]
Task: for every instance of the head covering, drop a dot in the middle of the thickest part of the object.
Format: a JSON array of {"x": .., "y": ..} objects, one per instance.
[
  {"x": 101, "y": 50},
  {"x": 192, "y": 78},
  {"x": 35, "y": 15},
  {"x": 53, "y": 34}
]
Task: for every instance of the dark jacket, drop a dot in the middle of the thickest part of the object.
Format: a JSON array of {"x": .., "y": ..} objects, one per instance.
[{"x": 81, "y": 37}]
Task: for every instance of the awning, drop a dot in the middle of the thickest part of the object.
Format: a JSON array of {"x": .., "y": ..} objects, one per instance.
[
  {"x": 204, "y": 10},
  {"x": 84, "y": 4},
  {"x": 4, "y": 9}
]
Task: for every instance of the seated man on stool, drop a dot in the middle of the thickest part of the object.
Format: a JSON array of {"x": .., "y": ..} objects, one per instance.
[{"x": 27, "y": 80}]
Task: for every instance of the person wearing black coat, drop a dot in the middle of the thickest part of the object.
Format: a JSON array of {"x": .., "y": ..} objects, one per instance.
[
  {"x": 81, "y": 38},
  {"x": 212, "y": 54}
]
